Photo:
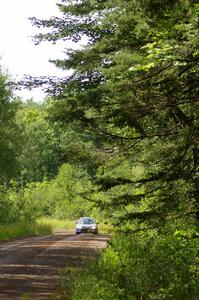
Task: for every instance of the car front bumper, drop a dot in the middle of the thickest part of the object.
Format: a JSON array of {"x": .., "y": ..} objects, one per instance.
[{"x": 86, "y": 230}]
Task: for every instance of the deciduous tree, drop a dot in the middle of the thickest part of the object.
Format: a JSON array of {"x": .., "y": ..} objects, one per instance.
[{"x": 9, "y": 135}]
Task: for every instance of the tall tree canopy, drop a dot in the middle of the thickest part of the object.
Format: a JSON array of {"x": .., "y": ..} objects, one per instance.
[
  {"x": 9, "y": 135},
  {"x": 41, "y": 155},
  {"x": 135, "y": 86}
]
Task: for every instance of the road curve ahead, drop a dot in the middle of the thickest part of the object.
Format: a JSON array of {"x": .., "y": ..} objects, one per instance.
[{"x": 29, "y": 268}]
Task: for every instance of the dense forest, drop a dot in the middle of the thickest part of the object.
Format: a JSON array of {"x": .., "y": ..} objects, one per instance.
[{"x": 116, "y": 139}]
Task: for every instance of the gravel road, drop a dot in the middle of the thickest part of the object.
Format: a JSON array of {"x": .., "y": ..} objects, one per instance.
[{"x": 30, "y": 267}]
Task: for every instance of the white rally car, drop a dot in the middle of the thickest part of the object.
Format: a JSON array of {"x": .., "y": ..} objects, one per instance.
[{"x": 86, "y": 224}]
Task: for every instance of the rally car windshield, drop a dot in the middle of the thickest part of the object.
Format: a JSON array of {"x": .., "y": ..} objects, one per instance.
[{"x": 88, "y": 221}]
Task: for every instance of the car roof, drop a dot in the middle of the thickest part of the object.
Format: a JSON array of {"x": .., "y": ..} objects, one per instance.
[{"x": 83, "y": 218}]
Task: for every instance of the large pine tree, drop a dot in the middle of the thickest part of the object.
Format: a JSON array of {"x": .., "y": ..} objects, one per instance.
[{"x": 134, "y": 86}]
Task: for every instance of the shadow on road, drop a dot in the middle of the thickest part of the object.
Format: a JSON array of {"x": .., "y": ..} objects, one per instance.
[{"x": 32, "y": 269}]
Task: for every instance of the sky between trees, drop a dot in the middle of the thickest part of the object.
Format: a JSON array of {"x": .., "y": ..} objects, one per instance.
[{"x": 18, "y": 53}]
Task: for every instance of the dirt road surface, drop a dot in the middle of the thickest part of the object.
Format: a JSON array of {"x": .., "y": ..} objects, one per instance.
[{"x": 30, "y": 267}]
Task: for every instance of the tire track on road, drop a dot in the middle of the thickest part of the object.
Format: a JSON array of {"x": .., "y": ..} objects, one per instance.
[{"x": 31, "y": 266}]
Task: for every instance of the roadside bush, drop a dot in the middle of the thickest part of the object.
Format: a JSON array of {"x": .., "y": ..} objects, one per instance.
[
  {"x": 143, "y": 266},
  {"x": 19, "y": 206},
  {"x": 5, "y": 206},
  {"x": 60, "y": 198},
  {"x": 8, "y": 232}
]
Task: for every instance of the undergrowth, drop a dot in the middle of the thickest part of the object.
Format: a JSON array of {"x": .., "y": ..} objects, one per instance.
[
  {"x": 8, "y": 232},
  {"x": 143, "y": 266}
]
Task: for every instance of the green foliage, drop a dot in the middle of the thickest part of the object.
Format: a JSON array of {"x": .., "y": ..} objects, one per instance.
[
  {"x": 19, "y": 230},
  {"x": 25, "y": 207},
  {"x": 57, "y": 223},
  {"x": 135, "y": 87},
  {"x": 123, "y": 132},
  {"x": 41, "y": 155},
  {"x": 143, "y": 266},
  {"x": 18, "y": 207},
  {"x": 72, "y": 184},
  {"x": 9, "y": 134},
  {"x": 5, "y": 207},
  {"x": 64, "y": 197}
]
